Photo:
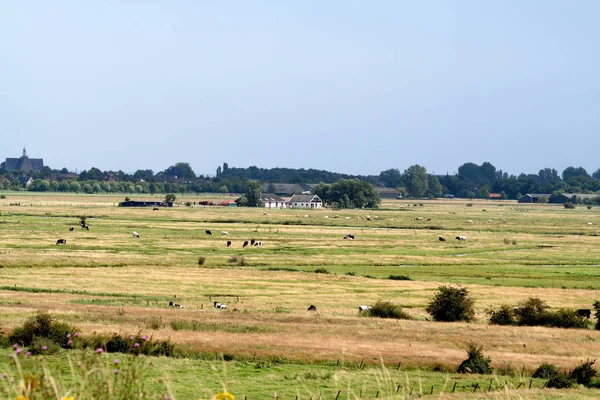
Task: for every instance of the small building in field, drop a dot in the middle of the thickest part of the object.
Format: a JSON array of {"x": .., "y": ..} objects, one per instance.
[
  {"x": 271, "y": 200},
  {"x": 134, "y": 203},
  {"x": 305, "y": 201},
  {"x": 572, "y": 197},
  {"x": 533, "y": 198},
  {"x": 388, "y": 193}
]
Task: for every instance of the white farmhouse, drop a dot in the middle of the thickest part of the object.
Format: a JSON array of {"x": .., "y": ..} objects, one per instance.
[
  {"x": 305, "y": 201},
  {"x": 271, "y": 200}
]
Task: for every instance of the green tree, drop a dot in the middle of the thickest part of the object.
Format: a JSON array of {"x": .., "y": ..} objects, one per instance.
[
  {"x": 170, "y": 198},
  {"x": 254, "y": 193},
  {"x": 181, "y": 170},
  {"x": 391, "y": 178},
  {"x": 75, "y": 187},
  {"x": 435, "y": 187},
  {"x": 415, "y": 180},
  {"x": 348, "y": 193},
  {"x": 451, "y": 304},
  {"x": 571, "y": 172}
]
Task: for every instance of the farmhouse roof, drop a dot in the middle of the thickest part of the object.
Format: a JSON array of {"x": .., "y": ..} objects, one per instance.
[
  {"x": 305, "y": 198},
  {"x": 271, "y": 198},
  {"x": 284, "y": 188}
]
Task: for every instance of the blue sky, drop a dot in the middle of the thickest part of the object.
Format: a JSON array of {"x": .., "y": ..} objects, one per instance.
[{"x": 346, "y": 86}]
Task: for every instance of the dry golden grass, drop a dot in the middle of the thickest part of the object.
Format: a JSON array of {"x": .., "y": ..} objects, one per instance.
[{"x": 144, "y": 274}]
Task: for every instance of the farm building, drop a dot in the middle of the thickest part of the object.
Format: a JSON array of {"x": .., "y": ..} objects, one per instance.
[
  {"x": 282, "y": 189},
  {"x": 133, "y": 203},
  {"x": 572, "y": 197},
  {"x": 388, "y": 193},
  {"x": 271, "y": 200},
  {"x": 24, "y": 163},
  {"x": 532, "y": 198},
  {"x": 305, "y": 201}
]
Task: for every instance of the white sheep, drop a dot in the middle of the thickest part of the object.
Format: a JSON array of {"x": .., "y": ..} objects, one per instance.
[
  {"x": 470, "y": 221},
  {"x": 136, "y": 235},
  {"x": 224, "y": 233}
]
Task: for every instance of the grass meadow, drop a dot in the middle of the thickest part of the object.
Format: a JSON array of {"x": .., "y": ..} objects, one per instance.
[{"x": 106, "y": 281}]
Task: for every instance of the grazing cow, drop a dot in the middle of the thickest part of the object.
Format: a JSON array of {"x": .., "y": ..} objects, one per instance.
[
  {"x": 219, "y": 305},
  {"x": 245, "y": 243},
  {"x": 584, "y": 313},
  {"x": 258, "y": 243},
  {"x": 312, "y": 308},
  {"x": 228, "y": 243},
  {"x": 442, "y": 239},
  {"x": 136, "y": 235},
  {"x": 349, "y": 237},
  {"x": 71, "y": 229},
  {"x": 171, "y": 304},
  {"x": 224, "y": 233},
  {"x": 208, "y": 232},
  {"x": 362, "y": 309},
  {"x": 418, "y": 218},
  {"x": 61, "y": 241},
  {"x": 155, "y": 209},
  {"x": 252, "y": 241},
  {"x": 86, "y": 227},
  {"x": 461, "y": 238}
]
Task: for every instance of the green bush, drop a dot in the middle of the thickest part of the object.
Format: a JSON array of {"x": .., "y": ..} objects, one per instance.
[
  {"x": 42, "y": 326},
  {"x": 504, "y": 316},
  {"x": 43, "y": 346},
  {"x": 569, "y": 205},
  {"x": 321, "y": 271},
  {"x": 386, "y": 309},
  {"x": 400, "y": 278},
  {"x": 532, "y": 312},
  {"x": 475, "y": 363},
  {"x": 546, "y": 371},
  {"x": 117, "y": 344},
  {"x": 451, "y": 304},
  {"x": 584, "y": 372},
  {"x": 564, "y": 318},
  {"x": 596, "y": 307},
  {"x": 560, "y": 382},
  {"x": 201, "y": 260}
]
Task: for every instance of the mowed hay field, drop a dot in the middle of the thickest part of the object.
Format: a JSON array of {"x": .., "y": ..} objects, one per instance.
[{"x": 104, "y": 280}]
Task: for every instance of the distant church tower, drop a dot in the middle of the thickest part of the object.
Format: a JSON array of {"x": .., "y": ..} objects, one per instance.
[{"x": 24, "y": 163}]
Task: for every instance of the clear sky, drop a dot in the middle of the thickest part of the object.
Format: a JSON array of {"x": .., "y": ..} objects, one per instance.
[{"x": 347, "y": 86}]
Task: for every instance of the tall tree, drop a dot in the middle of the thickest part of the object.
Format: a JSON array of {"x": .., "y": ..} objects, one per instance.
[
  {"x": 348, "y": 193},
  {"x": 415, "y": 180},
  {"x": 181, "y": 170},
  {"x": 571, "y": 172},
  {"x": 435, "y": 188},
  {"x": 391, "y": 178},
  {"x": 253, "y": 193}
]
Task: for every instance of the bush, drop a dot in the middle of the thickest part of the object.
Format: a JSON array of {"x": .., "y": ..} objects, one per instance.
[
  {"x": 560, "y": 382},
  {"x": 545, "y": 371},
  {"x": 201, "y": 260},
  {"x": 42, "y": 326},
  {"x": 43, "y": 346},
  {"x": 504, "y": 316},
  {"x": 451, "y": 304},
  {"x": 564, "y": 318},
  {"x": 569, "y": 205},
  {"x": 117, "y": 344},
  {"x": 584, "y": 372},
  {"x": 240, "y": 261},
  {"x": 532, "y": 312},
  {"x": 386, "y": 309},
  {"x": 475, "y": 363},
  {"x": 322, "y": 271},
  {"x": 596, "y": 307},
  {"x": 400, "y": 278}
]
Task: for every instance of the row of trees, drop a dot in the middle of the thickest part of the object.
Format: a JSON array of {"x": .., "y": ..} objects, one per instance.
[{"x": 471, "y": 181}]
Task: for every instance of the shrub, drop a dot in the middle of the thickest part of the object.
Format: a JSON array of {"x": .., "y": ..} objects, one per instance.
[
  {"x": 560, "y": 381},
  {"x": 475, "y": 363},
  {"x": 117, "y": 344},
  {"x": 451, "y": 304},
  {"x": 2, "y": 196},
  {"x": 545, "y": 371},
  {"x": 43, "y": 346},
  {"x": 322, "y": 271},
  {"x": 507, "y": 369},
  {"x": 154, "y": 323},
  {"x": 564, "y": 318},
  {"x": 201, "y": 260},
  {"x": 589, "y": 207},
  {"x": 568, "y": 205},
  {"x": 386, "y": 309},
  {"x": 42, "y": 325},
  {"x": 400, "y": 278},
  {"x": 531, "y": 312},
  {"x": 504, "y": 316},
  {"x": 240, "y": 261},
  {"x": 596, "y": 307},
  {"x": 584, "y": 372},
  {"x": 469, "y": 204}
]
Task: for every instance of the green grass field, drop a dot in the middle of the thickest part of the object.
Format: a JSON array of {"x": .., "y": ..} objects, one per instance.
[{"x": 104, "y": 281}]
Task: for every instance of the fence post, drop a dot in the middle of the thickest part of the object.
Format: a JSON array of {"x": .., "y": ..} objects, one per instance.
[
  {"x": 454, "y": 387},
  {"x": 361, "y": 363},
  {"x": 519, "y": 385},
  {"x": 490, "y": 387},
  {"x": 338, "y": 395},
  {"x": 530, "y": 382},
  {"x": 399, "y": 364},
  {"x": 398, "y": 388},
  {"x": 476, "y": 386},
  {"x": 431, "y": 389},
  {"x": 377, "y": 395}
]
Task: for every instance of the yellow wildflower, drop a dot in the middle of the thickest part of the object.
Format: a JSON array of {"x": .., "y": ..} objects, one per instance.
[
  {"x": 68, "y": 398},
  {"x": 21, "y": 398},
  {"x": 224, "y": 396}
]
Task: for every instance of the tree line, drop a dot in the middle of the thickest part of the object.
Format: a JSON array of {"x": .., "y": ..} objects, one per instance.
[{"x": 471, "y": 181}]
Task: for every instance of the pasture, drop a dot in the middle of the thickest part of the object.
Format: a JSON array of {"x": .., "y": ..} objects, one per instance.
[{"x": 106, "y": 280}]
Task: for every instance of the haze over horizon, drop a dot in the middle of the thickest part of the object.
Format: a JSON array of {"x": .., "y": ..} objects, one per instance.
[{"x": 343, "y": 86}]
